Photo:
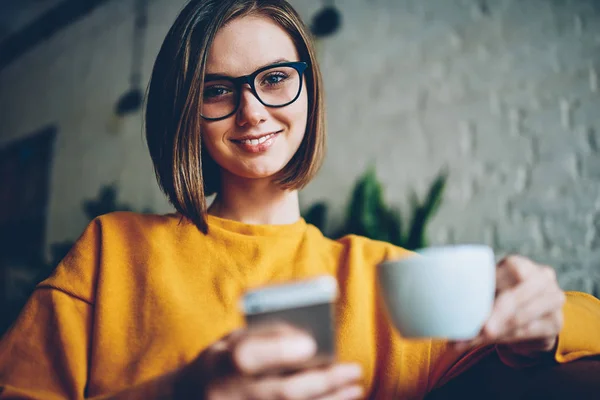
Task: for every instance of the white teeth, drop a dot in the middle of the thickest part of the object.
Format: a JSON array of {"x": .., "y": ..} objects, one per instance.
[{"x": 254, "y": 142}]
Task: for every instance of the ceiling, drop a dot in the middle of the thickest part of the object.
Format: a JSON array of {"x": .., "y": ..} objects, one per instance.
[{"x": 16, "y": 14}]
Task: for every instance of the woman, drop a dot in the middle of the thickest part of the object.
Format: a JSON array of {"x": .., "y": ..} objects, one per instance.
[{"x": 147, "y": 306}]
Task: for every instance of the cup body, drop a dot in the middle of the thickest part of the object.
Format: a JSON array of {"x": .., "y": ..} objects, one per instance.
[{"x": 442, "y": 292}]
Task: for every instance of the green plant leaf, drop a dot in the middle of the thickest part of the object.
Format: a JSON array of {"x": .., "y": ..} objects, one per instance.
[
  {"x": 356, "y": 208},
  {"x": 316, "y": 215},
  {"x": 422, "y": 214},
  {"x": 105, "y": 203},
  {"x": 367, "y": 213},
  {"x": 395, "y": 228},
  {"x": 364, "y": 212}
]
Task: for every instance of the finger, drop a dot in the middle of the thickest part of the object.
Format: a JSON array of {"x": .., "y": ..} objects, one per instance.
[
  {"x": 463, "y": 345},
  {"x": 271, "y": 348},
  {"x": 460, "y": 347},
  {"x": 307, "y": 385},
  {"x": 529, "y": 347},
  {"x": 513, "y": 269},
  {"x": 218, "y": 359},
  {"x": 270, "y": 328},
  {"x": 550, "y": 301},
  {"x": 321, "y": 382},
  {"x": 544, "y": 328},
  {"x": 507, "y": 312}
]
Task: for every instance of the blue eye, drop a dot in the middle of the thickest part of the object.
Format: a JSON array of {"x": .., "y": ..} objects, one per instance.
[{"x": 275, "y": 78}]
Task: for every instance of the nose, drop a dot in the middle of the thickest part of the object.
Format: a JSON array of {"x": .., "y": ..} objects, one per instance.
[{"x": 251, "y": 111}]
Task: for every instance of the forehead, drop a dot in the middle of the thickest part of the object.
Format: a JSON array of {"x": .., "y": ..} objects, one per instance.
[{"x": 248, "y": 43}]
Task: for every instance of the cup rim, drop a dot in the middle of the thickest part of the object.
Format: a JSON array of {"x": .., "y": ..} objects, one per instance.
[{"x": 437, "y": 252}]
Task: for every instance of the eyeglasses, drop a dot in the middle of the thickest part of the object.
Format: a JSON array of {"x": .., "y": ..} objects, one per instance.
[{"x": 276, "y": 85}]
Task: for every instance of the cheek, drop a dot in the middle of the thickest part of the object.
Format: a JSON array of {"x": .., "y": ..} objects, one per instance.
[
  {"x": 212, "y": 138},
  {"x": 213, "y": 132},
  {"x": 210, "y": 132}
]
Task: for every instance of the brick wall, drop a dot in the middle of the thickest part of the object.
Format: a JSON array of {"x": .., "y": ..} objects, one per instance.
[{"x": 502, "y": 93}]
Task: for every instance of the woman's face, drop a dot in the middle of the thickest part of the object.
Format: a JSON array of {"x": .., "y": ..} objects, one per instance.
[{"x": 256, "y": 141}]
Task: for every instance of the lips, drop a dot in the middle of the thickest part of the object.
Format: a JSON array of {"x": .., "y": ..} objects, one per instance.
[
  {"x": 256, "y": 144},
  {"x": 254, "y": 140}
]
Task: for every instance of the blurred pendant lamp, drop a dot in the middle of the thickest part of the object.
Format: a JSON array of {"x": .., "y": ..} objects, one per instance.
[
  {"x": 132, "y": 100},
  {"x": 327, "y": 21}
]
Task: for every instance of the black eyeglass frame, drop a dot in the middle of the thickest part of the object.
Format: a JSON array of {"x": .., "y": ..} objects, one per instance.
[{"x": 299, "y": 66}]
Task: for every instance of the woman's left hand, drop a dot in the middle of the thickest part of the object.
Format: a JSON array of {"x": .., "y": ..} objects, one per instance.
[{"x": 527, "y": 314}]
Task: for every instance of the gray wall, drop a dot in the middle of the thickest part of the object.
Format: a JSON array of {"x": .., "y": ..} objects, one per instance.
[{"x": 503, "y": 93}]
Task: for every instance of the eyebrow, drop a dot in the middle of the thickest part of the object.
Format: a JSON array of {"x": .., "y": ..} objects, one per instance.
[{"x": 220, "y": 75}]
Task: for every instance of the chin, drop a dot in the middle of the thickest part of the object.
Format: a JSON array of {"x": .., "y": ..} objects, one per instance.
[{"x": 259, "y": 171}]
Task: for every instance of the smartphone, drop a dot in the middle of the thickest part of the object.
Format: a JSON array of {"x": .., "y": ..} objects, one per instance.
[{"x": 308, "y": 305}]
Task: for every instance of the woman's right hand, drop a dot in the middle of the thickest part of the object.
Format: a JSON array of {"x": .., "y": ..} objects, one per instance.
[{"x": 240, "y": 367}]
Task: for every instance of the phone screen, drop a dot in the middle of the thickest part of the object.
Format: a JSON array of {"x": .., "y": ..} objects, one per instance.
[{"x": 308, "y": 305}]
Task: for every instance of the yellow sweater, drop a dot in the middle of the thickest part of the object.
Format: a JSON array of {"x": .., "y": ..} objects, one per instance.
[{"x": 140, "y": 296}]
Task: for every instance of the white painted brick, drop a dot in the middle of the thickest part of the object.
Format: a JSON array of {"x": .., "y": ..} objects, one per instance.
[
  {"x": 588, "y": 109},
  {"x": 552, "y": 145},
  {"x": 504, "y": 93},
  {"x": 579, "y": 282},
  {"x": 566, "y": 201},
  {"x": 547, "y": 175},
  {"x": 590, "y": 165},
  {"x": 593, "y": 78},
  {"x": 524, "y": 237},
  {"x": 567, "y": 232}
]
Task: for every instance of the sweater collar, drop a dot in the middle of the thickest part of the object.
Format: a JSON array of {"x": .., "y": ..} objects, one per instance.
[{"x": 222, "y": 224}]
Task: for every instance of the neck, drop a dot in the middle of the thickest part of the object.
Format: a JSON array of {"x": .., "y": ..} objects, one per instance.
[{"x": 255, "y": 201}]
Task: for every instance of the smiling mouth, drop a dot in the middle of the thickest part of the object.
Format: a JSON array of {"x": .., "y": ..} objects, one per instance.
[{"x": 256, "y": 140}]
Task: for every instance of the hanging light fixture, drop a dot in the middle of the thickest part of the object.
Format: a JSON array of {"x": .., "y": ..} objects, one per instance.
[
  {"x": 132, "y": 100},
  {"x": 327, "y": 21}
]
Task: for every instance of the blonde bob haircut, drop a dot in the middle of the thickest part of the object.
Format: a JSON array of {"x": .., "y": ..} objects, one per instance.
[{"x": 186, "y": 173}]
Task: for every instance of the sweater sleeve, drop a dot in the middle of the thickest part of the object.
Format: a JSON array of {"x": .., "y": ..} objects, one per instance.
[
  {"x": 46, "y": 354},
  {"x": 580, "y": 337}
]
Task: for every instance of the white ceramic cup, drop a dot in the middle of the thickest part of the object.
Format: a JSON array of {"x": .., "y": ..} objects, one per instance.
[{"x": 442, "y": 292}]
